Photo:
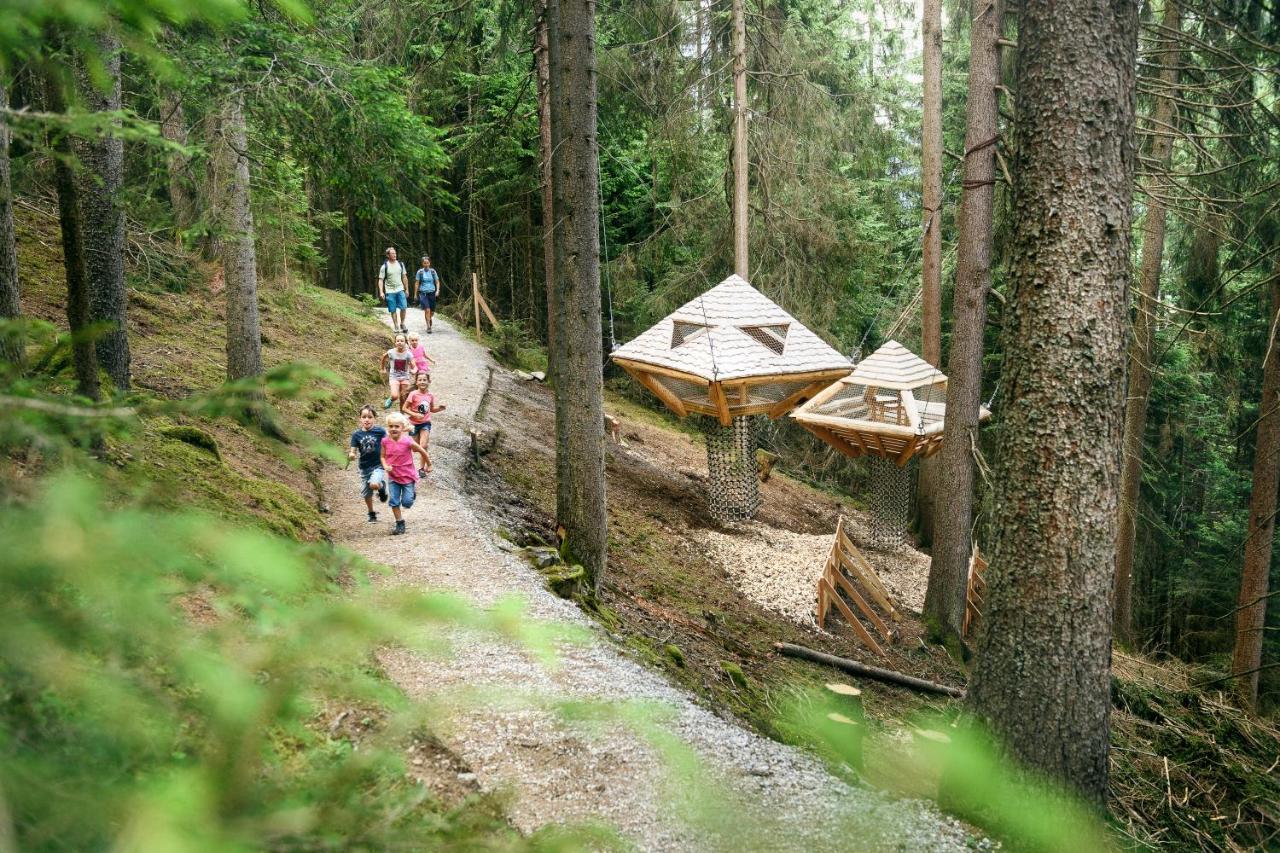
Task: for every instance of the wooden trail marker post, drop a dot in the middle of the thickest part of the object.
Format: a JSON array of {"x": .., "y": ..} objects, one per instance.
[{"x": 480, "y": 304}]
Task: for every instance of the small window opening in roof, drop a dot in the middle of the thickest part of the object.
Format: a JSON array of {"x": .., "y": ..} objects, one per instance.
[
  {"x": 682, "y": 331},
  {"x": 774, "y": 337}
]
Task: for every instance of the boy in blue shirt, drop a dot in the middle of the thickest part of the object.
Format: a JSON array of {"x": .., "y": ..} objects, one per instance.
[
  {"x": 366, "y": 443},
  {"x": 427, "y": 283}
]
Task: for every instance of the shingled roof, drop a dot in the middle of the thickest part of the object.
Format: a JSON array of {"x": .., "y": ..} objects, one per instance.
[
  {"x": 732, "y": 331},
  {"x": 895, "y": 366}
]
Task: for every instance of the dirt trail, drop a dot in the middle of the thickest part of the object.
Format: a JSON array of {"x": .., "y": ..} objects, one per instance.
[{"x": 557, "y": 771}]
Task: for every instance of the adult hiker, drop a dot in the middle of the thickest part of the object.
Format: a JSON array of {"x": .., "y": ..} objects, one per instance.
[
  {"x": 427, "y": 285},
  {"x": 393, "y": 282}
]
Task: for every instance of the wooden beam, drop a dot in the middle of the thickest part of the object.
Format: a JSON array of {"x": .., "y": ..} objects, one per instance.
[
  {"x": 823, "y": 396},
  {"x": 789, "y": 402},
  {"x": 659, "y": 390},
  {"x": 722, "y": 404},
  {"x": 484, "y": 306},
  {"x": 892, "y": 430},
  {"x": 836, "y": 440},
  {"x": 659, "y": 370},
  {"x": 905, "y": 456},
  {"x": 862, "y": 632},
  {"x": 804, "y": 376},
  {"x": 857, "y": 599},
  {"x": 909, "y": 406}
]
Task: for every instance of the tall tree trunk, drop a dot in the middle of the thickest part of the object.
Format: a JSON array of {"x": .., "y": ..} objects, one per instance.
[
  {"x": 931, "y": 172},
  {"x": 103, "y": 218},
  {"x": 236, "y": 244},
  {"x": 952, "y": 544},
  {"x": 931, "y": 262},
  {"x": 11, "y": 345},
  {"x": 544, "y": 153},
  {"x": 82, "y": 349},
  {"x": 580, "y": 482},
  {"x": 740, "y": 161},
  {"x": 1043, "y": 675},
  {"x": 1254, "y": 583},
  {"x": 1142, "y": 349},
  {"x": 173, "y": 126}
]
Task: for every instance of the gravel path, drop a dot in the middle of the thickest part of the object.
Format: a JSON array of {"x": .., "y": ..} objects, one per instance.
[{"x": 560, "y": 767}]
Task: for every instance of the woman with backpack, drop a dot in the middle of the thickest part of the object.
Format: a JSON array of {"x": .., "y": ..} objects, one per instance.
[{"x": 427, "y": 283}]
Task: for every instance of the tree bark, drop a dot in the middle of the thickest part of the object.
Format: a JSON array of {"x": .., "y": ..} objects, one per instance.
[
  {"x": 1043, "y": 677},
  {"x": 580, "y": 482},
  {"x": 931, "y": 171},
  {"x": 82, "y": 350},
  {"x": 544, "y": 152},
  {"x": 1142, "y": 350},
  {"x": 11, "y": 344},
  {"x": 173, "y": 126},
  {"x": 740, "y": 162},
  {"x": 952, "y": 544},
  {"x": 236, "y": 244},
  {"x": 931, "y": 251},
  {"x": 103, "y": 218},
  {"x": 1246, "y": 657}
]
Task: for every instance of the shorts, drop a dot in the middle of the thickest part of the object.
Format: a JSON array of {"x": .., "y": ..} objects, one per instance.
[
  {"x": 397, "y": 301},
  {"x": 419, "y": 429},
  {"x": 402, "y": 494},
  {"x": 400, "y": 377},
  {"x": 371, "y": 481},
  {"x": 427, "y": 300}
]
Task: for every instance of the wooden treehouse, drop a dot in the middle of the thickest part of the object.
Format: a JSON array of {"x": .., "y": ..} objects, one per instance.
[
  {"x": 893, "y": 405},
  {"x": 729, "y": 353}
]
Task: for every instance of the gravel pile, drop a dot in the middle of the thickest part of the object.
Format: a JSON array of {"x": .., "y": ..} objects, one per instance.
[{"x": 779, "y": 570}]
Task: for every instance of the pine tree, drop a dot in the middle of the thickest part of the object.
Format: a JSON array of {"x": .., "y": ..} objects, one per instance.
[
  {"x": 103, "y": 236},
  {"x": 580, "y": 481},
  {"x": 11, "y": 348},
  {"x": 1043, "y": 675},
  {"x": 949, "y": 570},
  {"x": 236, "y": 242}
]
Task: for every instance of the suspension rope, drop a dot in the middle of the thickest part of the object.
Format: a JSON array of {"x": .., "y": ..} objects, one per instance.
[{"x": 604, "y": 245}]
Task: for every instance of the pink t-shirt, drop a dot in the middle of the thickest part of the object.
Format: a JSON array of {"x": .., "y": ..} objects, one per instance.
[
  {"x": 420, "y": 358},
  {"x": 399, "y": 456},
  {"x": 417, "y": 398}
]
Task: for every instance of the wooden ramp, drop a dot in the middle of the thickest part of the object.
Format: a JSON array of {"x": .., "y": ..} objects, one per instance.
[
  {"x": 847, "y": 571},
  {"x": 976, "y": 591}
]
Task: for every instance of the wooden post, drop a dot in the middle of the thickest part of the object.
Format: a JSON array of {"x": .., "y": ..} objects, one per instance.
[{"x": 475, "y": 299}]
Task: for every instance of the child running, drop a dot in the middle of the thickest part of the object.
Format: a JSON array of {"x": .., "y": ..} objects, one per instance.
[
  {"x": 420, "y": 358},
  {"x": 397, "y": 370},
  {"x": 397, "y": 460},
  {"x": 420, "y": 405},
  {"x": 366, "y": 442}
]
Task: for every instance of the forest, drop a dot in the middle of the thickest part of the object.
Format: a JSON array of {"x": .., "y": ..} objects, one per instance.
[{"x": 1071, "y": 209}]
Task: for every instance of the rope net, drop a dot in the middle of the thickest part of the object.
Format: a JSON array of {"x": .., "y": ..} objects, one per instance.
[
  {"x": 733, "y": 487},
  {"x": 890, "y": 503}
]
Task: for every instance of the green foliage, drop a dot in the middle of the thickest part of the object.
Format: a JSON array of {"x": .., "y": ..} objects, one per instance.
[{"x": 163, "y": 676}]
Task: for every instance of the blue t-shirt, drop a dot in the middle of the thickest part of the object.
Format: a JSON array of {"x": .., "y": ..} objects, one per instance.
[
  {"x": 369, "y": 443},
  {"x": 427, "y": 280}
]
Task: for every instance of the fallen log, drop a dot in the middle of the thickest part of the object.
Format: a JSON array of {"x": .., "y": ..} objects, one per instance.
[{"x": 855, "y": 668}]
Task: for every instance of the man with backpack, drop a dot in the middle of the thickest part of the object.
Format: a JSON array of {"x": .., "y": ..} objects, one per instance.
[
  {"x": 393, "y": 282},
  {"x": 427, "y": 285}
]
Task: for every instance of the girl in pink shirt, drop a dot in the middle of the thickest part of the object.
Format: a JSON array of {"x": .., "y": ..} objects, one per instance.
[
  {"x": 397, "y": 461},
  {"x": 419, "y": 406},
  {"x": 420, "y": 358}
]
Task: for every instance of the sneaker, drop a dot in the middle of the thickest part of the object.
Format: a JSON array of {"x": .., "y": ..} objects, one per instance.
[
  {"x": 373, "y": 516},
  {"x": 382, "y": 492},
  {"x": 399, "y": 531},
  {"x": 387, "y": 403}
]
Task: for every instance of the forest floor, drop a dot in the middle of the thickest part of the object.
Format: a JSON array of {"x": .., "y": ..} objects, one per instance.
[{"x": 647, "y": 758}]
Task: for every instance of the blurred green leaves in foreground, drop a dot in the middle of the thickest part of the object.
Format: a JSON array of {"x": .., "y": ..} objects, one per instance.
[{"x": 161, "y": 676}]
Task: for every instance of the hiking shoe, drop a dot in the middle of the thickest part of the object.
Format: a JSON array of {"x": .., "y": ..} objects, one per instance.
[
  {"x": 399, "y": 531},
  {"x": 382, "y": 492},
  {"x": 387, "y": 403},
  {"x": 373, "y": 516}
]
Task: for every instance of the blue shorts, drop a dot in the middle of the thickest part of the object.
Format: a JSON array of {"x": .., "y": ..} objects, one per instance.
[
  {"x": 419, "y": 429},
  {"x": 371, "y": 481},
  {"x": 427, "y": 300},
  {"x": 402, "y": 494},
  {"x": 397, "y": 301}
]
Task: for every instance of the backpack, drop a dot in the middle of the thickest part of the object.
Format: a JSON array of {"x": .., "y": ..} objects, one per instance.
[{"x": 435, "y": 277}]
